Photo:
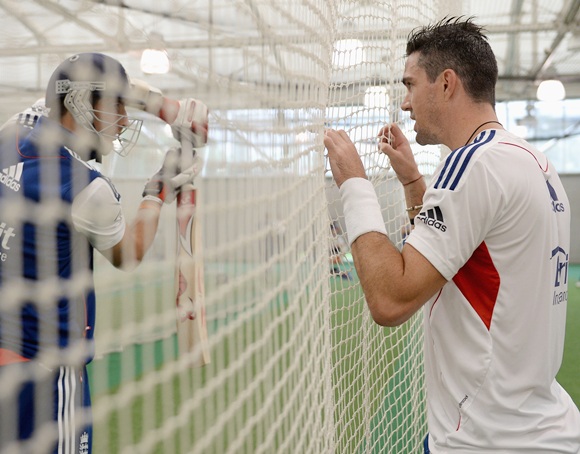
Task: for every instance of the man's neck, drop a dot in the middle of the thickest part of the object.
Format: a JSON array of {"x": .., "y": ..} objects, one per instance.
[{"x": 479, "y": 118}]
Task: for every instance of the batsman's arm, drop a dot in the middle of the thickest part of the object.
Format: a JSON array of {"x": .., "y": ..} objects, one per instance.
[
  {"x": 160, "y": 189},
  {"x": 187, "y": 117}
]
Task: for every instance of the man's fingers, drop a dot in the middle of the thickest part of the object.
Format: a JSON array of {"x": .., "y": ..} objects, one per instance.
[
  {"x": 385, "y": 146},
  {"x": 387, "y": 133},
  {"x": 328, "y": 138},
  {"x": 391, "y": 134},
  {"x": 334, "y": 138},
  {"x": 392, "y": 140},
  {"x": 343, "y": 135},
  {"x": 329, "y": 142}
]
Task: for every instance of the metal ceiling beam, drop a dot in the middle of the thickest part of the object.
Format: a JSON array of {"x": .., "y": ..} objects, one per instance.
[
  {"x": 568, "y": 18},
  {"x": 69, "y": 16},
  {"x": 201, "y": 43},
  {"x": 18, "y": 15},
  {"x": 529, "y": 28},
  {"x": 111, "y": 42},
  {"x": 512, "y": 53}
]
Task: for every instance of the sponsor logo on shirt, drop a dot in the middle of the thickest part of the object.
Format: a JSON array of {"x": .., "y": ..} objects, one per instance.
[
  {"x": 10, "y": 176},
  {"x": 433, "y": 218},
  {"x": 560, "y": 260},
  {"x": 28, "y": 120},
  {"x": 6, "y": 235},
  {"x": 557, "y": 206},
  {"x": 84, "y": 444}
]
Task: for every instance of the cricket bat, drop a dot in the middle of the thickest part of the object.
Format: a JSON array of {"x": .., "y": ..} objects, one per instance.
[
  {"x": 189, "y": 276},
  {"x": 190, "y": 292}
]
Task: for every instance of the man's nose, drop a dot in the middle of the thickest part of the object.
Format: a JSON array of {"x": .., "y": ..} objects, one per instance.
[{"x": 123, "y": 120}]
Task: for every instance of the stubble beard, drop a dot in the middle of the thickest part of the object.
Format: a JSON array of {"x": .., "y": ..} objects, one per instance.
[{"x": 426, "y": 138}]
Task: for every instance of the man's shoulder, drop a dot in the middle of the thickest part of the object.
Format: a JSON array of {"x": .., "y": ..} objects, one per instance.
[
  {"x": 457, "y": 166},
  {"x": 495, "y": 154}
]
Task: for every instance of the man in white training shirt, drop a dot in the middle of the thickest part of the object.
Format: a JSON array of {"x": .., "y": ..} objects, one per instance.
[{"x": 487, "y": 260}]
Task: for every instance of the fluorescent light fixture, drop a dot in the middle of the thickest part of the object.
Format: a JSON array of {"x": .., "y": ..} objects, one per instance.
[
  {"x": 551, "y": 90},
  {"x": 348, "y": 52},
  {"x": 303, "y": 137},
  {"x": 154, "y": 61},
  {"x": 376, "y": 96}
]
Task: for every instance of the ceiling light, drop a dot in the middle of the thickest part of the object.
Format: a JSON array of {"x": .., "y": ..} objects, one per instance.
[
  {"x": 376, "y": 96},
  {"x": 154, "y": 61},
  {"x": 551, "y": 90},
  {"x": 348, "y": 52}
]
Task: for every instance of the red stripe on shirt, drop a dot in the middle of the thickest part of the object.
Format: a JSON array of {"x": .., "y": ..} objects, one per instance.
[
  {"x": 10, "y": 357},
  {"x": 478, "y": 281},
  {"x": 544, "y": 167}
]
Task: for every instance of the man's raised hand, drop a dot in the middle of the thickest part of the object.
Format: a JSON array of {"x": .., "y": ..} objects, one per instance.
[
  {"x": 345, "y": 161},
  {"x": 187, "y": 117},
  {"x": 166, "y": 183},
  {"x": 395, "y": 145}
]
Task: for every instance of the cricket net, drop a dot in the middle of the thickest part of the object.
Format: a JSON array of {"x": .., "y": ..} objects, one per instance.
[{"x": 296, "y": 363}]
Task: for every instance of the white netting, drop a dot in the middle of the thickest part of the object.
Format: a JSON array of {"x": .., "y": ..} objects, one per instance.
[{"x": 297, "y": 364}]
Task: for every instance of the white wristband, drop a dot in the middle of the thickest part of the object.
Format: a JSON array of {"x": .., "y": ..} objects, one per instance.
[
  {"x": 362, "y": 212},
  {"x": 152, "y": 198}
]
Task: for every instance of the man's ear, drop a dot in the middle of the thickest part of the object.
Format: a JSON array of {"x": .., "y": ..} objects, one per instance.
[{"x": 450, "y": 82}]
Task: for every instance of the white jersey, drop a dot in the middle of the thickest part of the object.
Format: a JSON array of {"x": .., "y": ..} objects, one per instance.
[
  {"x": 495, "y": 223},
  {"x": 97, "y": 214}
]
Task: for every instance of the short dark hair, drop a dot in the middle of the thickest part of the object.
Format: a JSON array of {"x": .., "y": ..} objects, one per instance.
[{"x": 457, "y": 43}]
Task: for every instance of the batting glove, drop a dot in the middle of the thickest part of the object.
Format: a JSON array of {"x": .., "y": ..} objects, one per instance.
[
  {"x": 187, "y": 117},
  {"x": 170, "y": 178},
  {"x": 191, "y": 122}
]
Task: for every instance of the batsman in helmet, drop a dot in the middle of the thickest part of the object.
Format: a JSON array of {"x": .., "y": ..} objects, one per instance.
[{"x": 56, "y": 208}]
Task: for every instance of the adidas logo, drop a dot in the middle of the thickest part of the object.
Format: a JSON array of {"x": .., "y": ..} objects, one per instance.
[
  {"x": 10, "y": 177},
  {"x": 27, "y": 120},
  {"x": 433, "y": 218}
]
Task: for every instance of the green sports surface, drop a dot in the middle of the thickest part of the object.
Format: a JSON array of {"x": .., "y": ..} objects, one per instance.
[
  {"x": 569, "y": 375},
  {"x": 389, "y": 403}
]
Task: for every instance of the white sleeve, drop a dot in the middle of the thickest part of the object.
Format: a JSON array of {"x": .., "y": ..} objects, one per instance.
[
  {"x": 97, "y": 214},
  {"x": 454, "y": 222}
]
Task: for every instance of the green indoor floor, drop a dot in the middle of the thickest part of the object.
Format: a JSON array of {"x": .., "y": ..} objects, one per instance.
[
  {"x": 569, "y": 375},
  {"x": 151, "y": 356}
]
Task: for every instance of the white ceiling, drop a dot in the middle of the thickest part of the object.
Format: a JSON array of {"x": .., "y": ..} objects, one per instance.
[
  {"x": 533, "y": 40},
  {"x": 220, "y": 47}
]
